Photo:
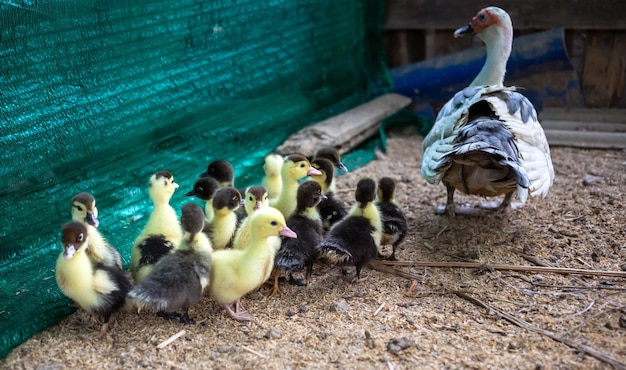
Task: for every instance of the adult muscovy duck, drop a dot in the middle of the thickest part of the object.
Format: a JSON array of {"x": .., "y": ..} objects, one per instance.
[{"x": 487, "y": 140}]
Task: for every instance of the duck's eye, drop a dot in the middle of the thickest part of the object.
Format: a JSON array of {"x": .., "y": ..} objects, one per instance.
[
  {"x": 250, "y": 198},
  {"x": 80, "y": 237},
  {"x": 302, "y": 165},
  {"x": 79, "y": 208},
  {"x": 274, "y": 223},
  {"x": 482, "y": 17}
]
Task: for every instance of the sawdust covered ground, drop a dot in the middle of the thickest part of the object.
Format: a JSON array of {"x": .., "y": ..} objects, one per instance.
[{"x": 556, "y": 321}]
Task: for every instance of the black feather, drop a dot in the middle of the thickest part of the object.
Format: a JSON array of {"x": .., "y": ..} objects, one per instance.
[{"x": 153, "y": 248}]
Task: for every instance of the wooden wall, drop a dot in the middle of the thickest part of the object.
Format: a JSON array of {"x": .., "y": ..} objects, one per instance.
[{"x": 416, "y": 30}]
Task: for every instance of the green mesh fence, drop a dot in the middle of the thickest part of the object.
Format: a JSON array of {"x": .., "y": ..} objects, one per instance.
[{"x": 98, "y": 95}]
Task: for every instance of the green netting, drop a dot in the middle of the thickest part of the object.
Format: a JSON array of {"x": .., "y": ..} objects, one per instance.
[{"x": 98, "y": 95}]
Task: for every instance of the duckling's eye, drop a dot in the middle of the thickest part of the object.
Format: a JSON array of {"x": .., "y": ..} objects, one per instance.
[
  {"x": 79, "y": 208},
  {"x": 274, "y": 223},
  {"x": 302, "y": 165},
  {"x": 482, "y": 17},
  {"x": 80, "y": 237},
  {"x": 250, "y": 198}
]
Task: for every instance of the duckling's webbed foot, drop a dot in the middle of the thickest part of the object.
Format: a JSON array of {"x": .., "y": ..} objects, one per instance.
[
  {"x": 237, "y": 311},
  {"x": 169, "y": 315},
  {"x": 298, "y": 282},
  {"x": 185, "y": 319}
]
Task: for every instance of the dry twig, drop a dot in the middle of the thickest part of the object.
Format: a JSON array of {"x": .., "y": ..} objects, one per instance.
[
  {"x": 171, "y": 339},
  {"x": 525, "y": 325},
  {"x": 499, "y": 266}
]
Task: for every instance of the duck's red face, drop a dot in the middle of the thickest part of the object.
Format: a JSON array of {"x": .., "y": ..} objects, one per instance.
[{"x": 482, "y": 20}]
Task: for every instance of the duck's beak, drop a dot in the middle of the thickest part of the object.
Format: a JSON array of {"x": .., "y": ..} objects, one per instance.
[
  {"x": 287, "y": 232},
  {"x": 91, "y": 219},
  {"x": 342, "y": 166},
  {"x": 464, "y": 31},
  {"x": 69, "y": 251},
  {"x": 313, "y": 171}
]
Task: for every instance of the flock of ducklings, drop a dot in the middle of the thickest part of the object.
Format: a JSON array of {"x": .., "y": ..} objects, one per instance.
[{"x": 233, "y": 245}]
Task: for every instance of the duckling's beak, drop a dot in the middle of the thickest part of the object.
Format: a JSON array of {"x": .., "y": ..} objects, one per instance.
[
  {"x": 190, "y": 193},
  {"x": 287, "y": 232},
  {"x": 341, "y": 166},
  {"x": 313, "y": 171},
  {"x": 175, "y": 185},
  {"x": 257, "y": 206},
  {"x": 324, "y": 197},
  {"x": 464, "y": 31},
  {"x": 91, "y": 219},
  {"x": 69, "y": 251}
]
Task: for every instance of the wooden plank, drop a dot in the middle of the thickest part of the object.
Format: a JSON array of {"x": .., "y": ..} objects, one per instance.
[
  {"x": 583, "y": 126},
  {"x": 584, "y": 115},
  {"x": 597, "y": 87},
  {"x": 586, "y": 139},
  {"x": 346, "y": 130},
  {"x": 452, "y": 14}
]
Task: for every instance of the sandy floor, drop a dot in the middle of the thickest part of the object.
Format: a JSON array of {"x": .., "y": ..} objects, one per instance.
[{"x": 556, "y": 320}]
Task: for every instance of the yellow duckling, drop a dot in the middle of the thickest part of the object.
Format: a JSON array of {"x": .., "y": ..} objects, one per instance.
[
  {"x": 272, "y": 180},
  {"x": 95, "y": 287},
  {"x": 162, "y": 232},
  {"x": 221, "y": 230},
  {"x": 295, "y": 167},
  {"x": 256, "y": 198},
  {"x": 238, "y": 272},
  {"x": 99, "y": 249}
]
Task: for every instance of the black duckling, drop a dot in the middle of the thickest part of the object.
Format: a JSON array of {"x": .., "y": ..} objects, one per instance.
[
  {"x": 221, "y": 230},
  {"x": 393, "y": 220},
  {"x": 99, "y": 249},
  {"x": 178, "y": 280},
  {"x": 331, "y": 210},
  {"x": 204, "y": 189},
  {"x": 354, "y": 241},
  {"x": 332, "y": 154},
  {"x": 95, "y": 287},
  {"x": 222, "y": 171},
  {"x": 162, "y": 232},
  {"x": 297, "y": 253}
]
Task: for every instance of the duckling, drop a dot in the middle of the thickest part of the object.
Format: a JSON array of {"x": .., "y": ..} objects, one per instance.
[
  {"x": 221, "y": 230},
  {"x": 222, "y": 171},
  {"x": 295, "y": 254},
  {"x": 355, "y": 240},
  {"x": 332, "y": 154},
  {"x": 295, "y": 167},
  {"x": 331, "y": 210},
  {"x": 178, "y": 280},
  {"x": 162, "y": 232},
  {"x": 255, "y": 199},
  {"x": 204, "y": 189},
  {"x": 95, "y": 287},
  {"x": 237, "y": 272},
  {"x": 99, "y": 249},
  {"x": 393, "y": 220},
  {"x": 272, "y": 180}
]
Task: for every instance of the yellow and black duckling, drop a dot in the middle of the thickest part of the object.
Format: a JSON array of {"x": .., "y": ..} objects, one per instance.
[
  {"x": 178, "y": 280},
  {"x": 97, "y": 288},
  {"x": 162, "y": 232},
  {"x": 393, "y": 220},
  {"x": 332, "y": 154},
  {"x": 295, "y": 167},
  {"x": 238, "y": 272},
  {"x": 272, "y": 181},
  {"x": 255, "y": 199},
  {"x": 99, "y": 249},
  {"x": 354, "y": 241},
  {"x": 221, "y": 230},
  {"x": 222, "y": 171},
  {"x": 204, "y": 189},
  {"x": 297, "y": 253},
  {"x": 331, "y": 210}
]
